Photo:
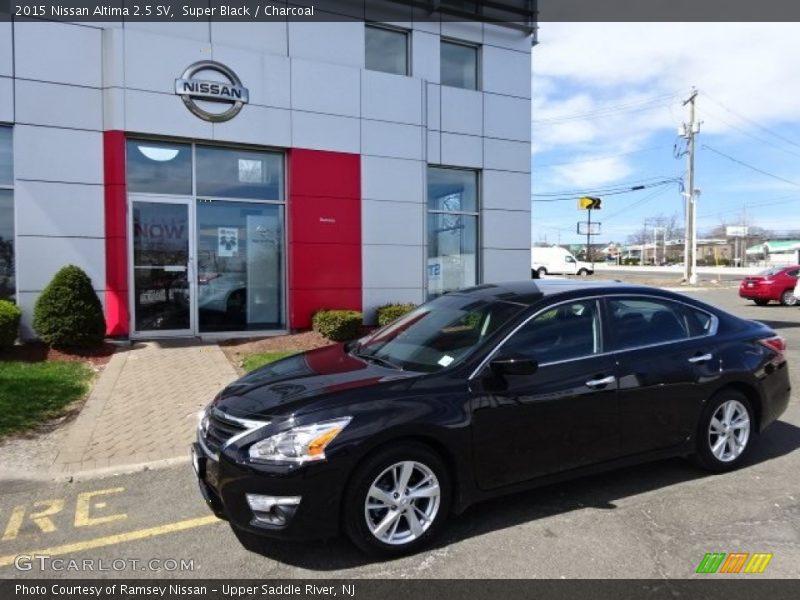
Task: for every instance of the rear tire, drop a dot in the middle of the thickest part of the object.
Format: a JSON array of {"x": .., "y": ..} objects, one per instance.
[
  {"x": 726, "y": 432},
  {"x": 386, "y": 517},
  {"x": 542, "y": 271},
  {"x": 788, "y": 298},
  {"x": 761, "y": 302}
]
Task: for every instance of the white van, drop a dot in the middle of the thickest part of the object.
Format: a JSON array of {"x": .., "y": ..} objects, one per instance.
[{"x": 557, "y": 261}]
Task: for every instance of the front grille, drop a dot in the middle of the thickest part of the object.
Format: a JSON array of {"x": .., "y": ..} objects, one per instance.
[{"x": 219, "y": 431}]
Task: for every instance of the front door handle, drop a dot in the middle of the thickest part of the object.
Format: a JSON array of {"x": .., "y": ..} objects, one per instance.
[
  {"x": 701, "y": 358},
  {"x": 601, "y": 383}
]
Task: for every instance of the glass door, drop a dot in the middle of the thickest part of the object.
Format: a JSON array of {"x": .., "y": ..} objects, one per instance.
[{"x": 161, "y": 254}]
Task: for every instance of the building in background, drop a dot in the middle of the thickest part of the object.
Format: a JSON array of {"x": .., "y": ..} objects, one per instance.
[{"x": 220, "y": 178}]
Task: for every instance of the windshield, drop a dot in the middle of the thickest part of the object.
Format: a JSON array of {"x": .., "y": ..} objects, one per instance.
[{"x": 437, "y": 334}]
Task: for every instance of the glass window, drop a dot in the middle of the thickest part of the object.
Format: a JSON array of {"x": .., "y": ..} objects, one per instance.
[
  {"x": 642, "y": 322},
  {"x": 386, "y": 50},
  {"x": 235, "y": 173},
  {"x": 459, "y": 65},
  {"x": 240, "y": 265},
  {"x": 159, "y": 167},
  {"x": 564, "y": 332},
  {"x": 7, "y": 286},
  {"x": 6, "y": 157},
  {"x": 452, "y": 230}
]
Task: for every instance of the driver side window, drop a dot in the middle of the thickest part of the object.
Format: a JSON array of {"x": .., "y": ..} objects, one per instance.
[{"x": 565, "y": 332}]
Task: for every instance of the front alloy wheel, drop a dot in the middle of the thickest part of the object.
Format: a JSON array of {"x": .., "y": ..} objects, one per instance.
[
  {"x": 397, "y": 500},
  {"x": 726, "y": 431}
]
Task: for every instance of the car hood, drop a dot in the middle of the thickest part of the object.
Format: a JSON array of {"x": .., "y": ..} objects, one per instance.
[{"x": 310, "y": 380}]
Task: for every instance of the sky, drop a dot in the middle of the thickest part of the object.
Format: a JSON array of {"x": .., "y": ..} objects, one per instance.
[{"x": 607, "y": 104}]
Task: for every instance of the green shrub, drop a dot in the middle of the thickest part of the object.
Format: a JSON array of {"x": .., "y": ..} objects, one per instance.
[
  {"x": 338, "y": 325},
  {"x": 68, "y": 313},
  {"x": 10, "y": 315},
  {"x": 390, "y": 312}
]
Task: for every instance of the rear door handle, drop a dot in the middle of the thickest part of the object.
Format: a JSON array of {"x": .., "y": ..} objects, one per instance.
[
  {"x": 600, "y": 383},
  {"x": 701, "y": 358}
]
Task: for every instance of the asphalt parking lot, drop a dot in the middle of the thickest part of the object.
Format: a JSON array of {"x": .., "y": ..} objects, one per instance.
[{"x": 655, "y": 520}]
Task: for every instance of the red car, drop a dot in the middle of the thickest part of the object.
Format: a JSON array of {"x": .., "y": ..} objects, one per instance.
[{"x": 776, "y": 284}]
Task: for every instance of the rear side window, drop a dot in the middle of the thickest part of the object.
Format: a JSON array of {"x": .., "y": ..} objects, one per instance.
[
  {"x": 646, "y": 321},
  {"x": 565, "y": 332}
]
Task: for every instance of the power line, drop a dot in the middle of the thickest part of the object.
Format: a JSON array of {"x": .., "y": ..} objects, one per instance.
[
  {"x": 751, "y": 121},
  {"x": 633, "y": 185},
  {"x": 642, "y": 105},
  {"x": 749, "y": 134},
  {"x": 639, "y": 202},
  {"x": 749, "y": 166}
]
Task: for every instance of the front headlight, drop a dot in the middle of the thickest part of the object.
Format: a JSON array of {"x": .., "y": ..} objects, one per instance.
[{"x": 299, "y": 444}]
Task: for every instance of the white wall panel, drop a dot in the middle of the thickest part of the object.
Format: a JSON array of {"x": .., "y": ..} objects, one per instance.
[
  {"x": 326, "y": 88},
  {"x": 189, "y": 30},
  {"x": 59, "y": 52},
  {"x": 113, "y": 44},
  {"x": 505, "y": 155},
  {"x": 154, "y": 62},
  {"x": 434, "y": 148},
  {"x": 267, "y": 37},
  {"x": 496, "y": 35},
  {"x": 77, "y": 107},
  {"x": 6, "y": 50},
  {"x": 266, "y": 77},
  {"x": 506, "y": 190},
  {"x": 257, "y": 125},
  {"x": 462, "y": 150},
  {"x": 379, "y": 138},
  {"x": 506, "y": 72},
  {"x": 325, "y": 132},
  {"x": 398, "y": 223},
  {"x": 506, "y": 117},
  {"x": 462, "y": 111},
  {"x": 506, "y": 229},
  {"x": 392, "y": 179},
  {"x": 162, "y": 114},
  {"x": 506, "y": 265},
  {"x": 114, "y": 109},
  {"x": 59, "y": 209},
  {"x": 375, "y": 297},
  {"x": 6, "y": 99},
  {"x": 41, "y": 257},
  {"x": 391, "y": 97},
  {"x": 340, "y": 42},
  {"x": 277, "y": 81},
  {"x": 392, "y": 266},
  {"x": 50, "y": 154},
  {"x": 425, "y": 56},
  {"x": 433, "y": 119}
]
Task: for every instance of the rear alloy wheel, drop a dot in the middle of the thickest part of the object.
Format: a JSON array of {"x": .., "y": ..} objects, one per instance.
[
  {"x": 726, "y": 431},
  {"x": 761, "y": 302},
  {"x": 788, "y": 298},
  {"x": 397, "y": 501}
]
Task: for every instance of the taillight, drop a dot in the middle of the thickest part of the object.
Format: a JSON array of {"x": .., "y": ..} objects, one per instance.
[{"x": 776, "y": 344}]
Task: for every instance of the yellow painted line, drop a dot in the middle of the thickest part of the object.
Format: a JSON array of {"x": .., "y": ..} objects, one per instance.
[{"x": 111, "y": 540}]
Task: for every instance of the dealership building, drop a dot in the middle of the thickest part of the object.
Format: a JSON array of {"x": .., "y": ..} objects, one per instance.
[{"x": 224, "y": 178}]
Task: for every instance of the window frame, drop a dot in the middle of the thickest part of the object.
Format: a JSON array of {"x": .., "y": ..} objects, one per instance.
[
  {"x": 476, "y": 214},
  {"x": 10, "y": 188},
  {"x": 478, "y": 62},
  {"x": 393, "y": 28}
]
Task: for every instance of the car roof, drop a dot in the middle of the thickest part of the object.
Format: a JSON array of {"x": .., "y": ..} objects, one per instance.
[{"x": 530, "y": 291}]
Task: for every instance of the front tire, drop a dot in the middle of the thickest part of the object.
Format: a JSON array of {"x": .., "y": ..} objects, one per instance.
[
  {"x": 788, "y": 298},
  {"x": 397, "y": 501},
  {"x": 726, "y": 432},
  {"x": 583, "y": 272}
]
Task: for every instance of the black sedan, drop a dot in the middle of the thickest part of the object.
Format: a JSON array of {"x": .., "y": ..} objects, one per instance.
[{"x": 483, "y": 392}]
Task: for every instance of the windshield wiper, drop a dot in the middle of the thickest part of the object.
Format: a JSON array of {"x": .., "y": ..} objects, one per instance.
[{"x": 377, "y": 359}]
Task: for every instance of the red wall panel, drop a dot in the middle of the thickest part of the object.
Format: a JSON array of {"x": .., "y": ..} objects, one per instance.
[
  {"x": 324, "y": 214},
  {"x": 115, "y": 203}
]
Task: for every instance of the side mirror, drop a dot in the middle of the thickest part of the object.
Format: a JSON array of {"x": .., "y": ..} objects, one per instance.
[{"x": 513, "y": 365}]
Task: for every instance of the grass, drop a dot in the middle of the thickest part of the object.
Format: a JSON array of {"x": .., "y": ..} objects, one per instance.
[
  {"x": 259, "y": 359},
  {"x": 31, "y": 393}
]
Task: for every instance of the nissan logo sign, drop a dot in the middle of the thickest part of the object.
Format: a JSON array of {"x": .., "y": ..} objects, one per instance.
[{"x": 230, "y": 93}]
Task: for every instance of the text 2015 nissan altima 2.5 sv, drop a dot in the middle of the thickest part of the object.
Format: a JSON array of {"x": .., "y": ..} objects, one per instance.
[{"x": 479, "y": 393}]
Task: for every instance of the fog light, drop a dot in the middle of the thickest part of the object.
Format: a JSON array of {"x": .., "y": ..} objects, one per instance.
[{"x": 273, "y": 510}]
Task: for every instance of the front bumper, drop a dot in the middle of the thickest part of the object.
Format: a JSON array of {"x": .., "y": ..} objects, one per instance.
[{"x": 226, "y": 482}]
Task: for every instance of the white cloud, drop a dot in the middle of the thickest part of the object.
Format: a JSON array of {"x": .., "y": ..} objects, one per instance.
[{"x": 583, "y": 68}]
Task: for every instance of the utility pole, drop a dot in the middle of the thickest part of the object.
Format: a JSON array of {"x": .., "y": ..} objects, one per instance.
[
  {"x": 589, "y": 236},
  {"x": 689, "y": 131}
]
